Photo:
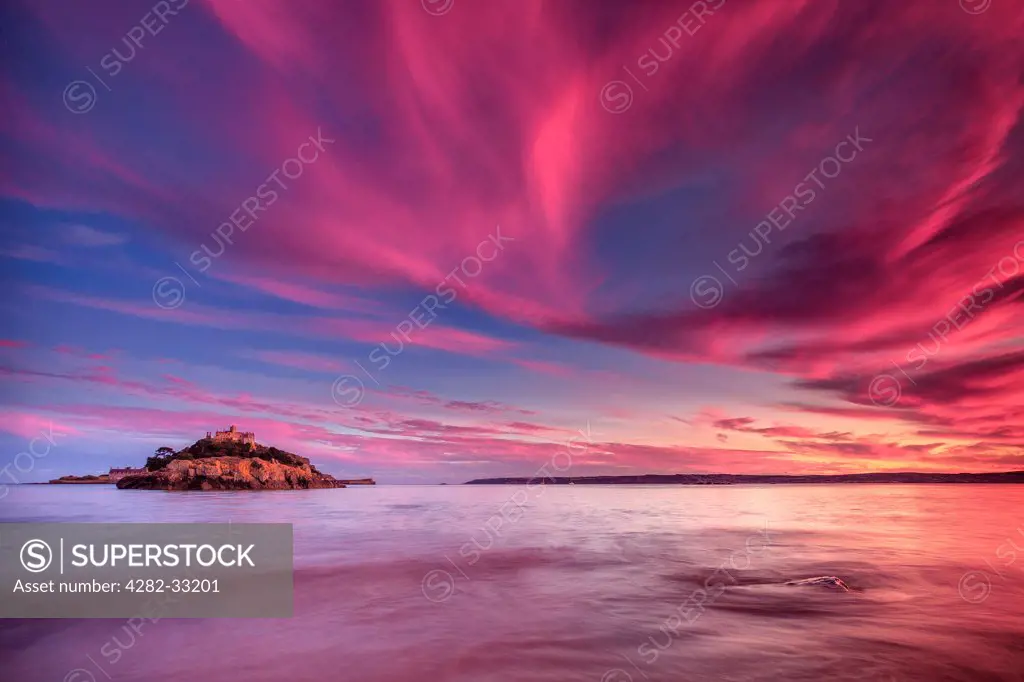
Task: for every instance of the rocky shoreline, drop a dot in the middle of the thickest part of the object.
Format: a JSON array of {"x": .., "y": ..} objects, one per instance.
[{"x": 230, "y": 473}]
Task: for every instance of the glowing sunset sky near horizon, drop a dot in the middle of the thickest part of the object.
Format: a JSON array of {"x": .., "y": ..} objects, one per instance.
[{"x": 619, "y": 187}]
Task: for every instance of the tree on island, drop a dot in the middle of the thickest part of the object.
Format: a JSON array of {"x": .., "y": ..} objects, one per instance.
[
  {"x": 160, "y": 458},
  {"x": 209, "y": 448}
]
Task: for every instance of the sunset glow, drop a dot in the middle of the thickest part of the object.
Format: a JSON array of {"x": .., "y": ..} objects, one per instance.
[{"x": 758, "y": 238}]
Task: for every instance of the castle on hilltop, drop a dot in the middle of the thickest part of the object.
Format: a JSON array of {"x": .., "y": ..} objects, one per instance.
[{"x": 233, "y": 435}]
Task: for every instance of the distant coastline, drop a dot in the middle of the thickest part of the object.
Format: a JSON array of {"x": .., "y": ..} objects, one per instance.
[{"x": 739, "y": 479}]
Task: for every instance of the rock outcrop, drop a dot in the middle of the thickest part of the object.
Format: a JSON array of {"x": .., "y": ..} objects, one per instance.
[
  {"x": 829, "y": 581},
  {"x": 231, "y": 473}
]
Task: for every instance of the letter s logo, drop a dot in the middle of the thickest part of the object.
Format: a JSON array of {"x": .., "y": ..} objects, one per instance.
[{"x": 36, "y": 556}]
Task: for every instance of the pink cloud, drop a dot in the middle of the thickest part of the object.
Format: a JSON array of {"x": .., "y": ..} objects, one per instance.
[
  {"x": 31, "y": 425},
  {"x": 441, "y": 131}
]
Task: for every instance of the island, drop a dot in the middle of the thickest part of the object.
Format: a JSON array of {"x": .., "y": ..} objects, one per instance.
[
  {"x": 227, "y": 460},
  {"x": 758, "y": 479}
]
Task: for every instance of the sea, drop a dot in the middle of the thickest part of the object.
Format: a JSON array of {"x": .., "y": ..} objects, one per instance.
[{"x": 559, "y": 583}]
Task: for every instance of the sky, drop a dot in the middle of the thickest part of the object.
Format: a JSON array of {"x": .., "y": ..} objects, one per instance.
[{"x": 436, "y": 240}]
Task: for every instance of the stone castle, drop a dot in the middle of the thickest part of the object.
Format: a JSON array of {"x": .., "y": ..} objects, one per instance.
[
  {"x": 233, "y": 435},
  {"x": 117, "y": 474}
]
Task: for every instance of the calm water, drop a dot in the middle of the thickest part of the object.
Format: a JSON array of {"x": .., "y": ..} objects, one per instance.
[{"x": 587, "y": 583}]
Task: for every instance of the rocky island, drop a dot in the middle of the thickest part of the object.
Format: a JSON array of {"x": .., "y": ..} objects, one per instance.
[
  {"x": 229, "y": 460},
  {"x": 82, "y": 480}
]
